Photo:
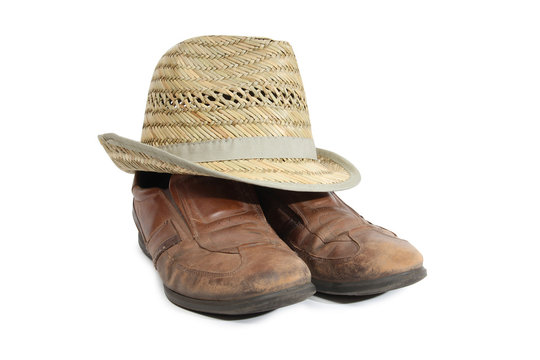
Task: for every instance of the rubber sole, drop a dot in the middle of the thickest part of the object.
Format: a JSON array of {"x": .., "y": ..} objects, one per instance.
[
  {"x": 250, "y": 305},
  {"x": 371, "y": 287}
]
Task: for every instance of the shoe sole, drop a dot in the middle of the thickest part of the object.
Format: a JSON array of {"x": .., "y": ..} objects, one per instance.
[
  {"x": 371, "y": 287},
  {"x": 245, "y": 306}
]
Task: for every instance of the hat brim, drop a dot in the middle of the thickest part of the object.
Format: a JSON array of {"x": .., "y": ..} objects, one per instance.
[{"x": 329, "y": 172}]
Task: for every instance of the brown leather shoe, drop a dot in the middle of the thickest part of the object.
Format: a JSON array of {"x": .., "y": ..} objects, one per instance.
[
  {"x": 346, "y": 254},
  {"x": 212, "y": 246}
]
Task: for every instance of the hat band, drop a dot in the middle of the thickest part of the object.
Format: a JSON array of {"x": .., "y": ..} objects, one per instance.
[{"x": 245, "y": 148}]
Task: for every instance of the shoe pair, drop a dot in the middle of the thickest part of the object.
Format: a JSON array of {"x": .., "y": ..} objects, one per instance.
[{"x": 228, "y": 247}]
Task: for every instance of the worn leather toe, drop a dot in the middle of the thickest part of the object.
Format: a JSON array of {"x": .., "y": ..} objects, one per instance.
[{"x": 338, "y": 245}]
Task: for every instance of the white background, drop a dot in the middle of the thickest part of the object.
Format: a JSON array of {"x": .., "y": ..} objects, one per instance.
[{"x": 436, "y": 102}]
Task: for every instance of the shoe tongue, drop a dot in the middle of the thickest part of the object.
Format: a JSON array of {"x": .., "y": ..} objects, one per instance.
[{"x": 209, "y": 199}]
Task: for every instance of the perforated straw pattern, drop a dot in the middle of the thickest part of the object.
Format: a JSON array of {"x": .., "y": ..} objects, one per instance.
[
  {"x": 228, "y": 87},
  {"x": 223, "y": 87}
]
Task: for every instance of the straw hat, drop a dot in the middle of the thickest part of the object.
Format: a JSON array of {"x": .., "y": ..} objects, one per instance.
[{"x": 231, "y": 107}]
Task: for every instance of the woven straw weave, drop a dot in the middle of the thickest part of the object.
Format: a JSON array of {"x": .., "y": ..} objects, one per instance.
[
  {"x": 228, "y": 87},
  {"x": 225, "y": 87}
]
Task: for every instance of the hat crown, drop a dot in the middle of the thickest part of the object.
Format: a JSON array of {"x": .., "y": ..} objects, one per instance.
[
  {"x": 215, "y": 88},
  {"x": 231, "y": 107}
]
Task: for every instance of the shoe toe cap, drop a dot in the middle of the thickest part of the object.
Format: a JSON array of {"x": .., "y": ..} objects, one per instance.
[
  {"x": 270, "y": 268},
  {"x": 378, "y": 255},
  {"x": 263, "y": 269}
]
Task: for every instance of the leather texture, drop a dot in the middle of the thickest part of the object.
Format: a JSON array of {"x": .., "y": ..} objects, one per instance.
[
  {"x": 336, "y": 243},
  {"x": 209, "y": 240}
]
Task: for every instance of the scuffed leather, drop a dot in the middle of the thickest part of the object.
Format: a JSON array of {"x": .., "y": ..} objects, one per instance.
[
  {"x": 209, "y": 240},
  {"x": 336, "y": 243}
]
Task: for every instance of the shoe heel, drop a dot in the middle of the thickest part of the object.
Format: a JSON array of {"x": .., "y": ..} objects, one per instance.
[{"x": 143, "y": 247}]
